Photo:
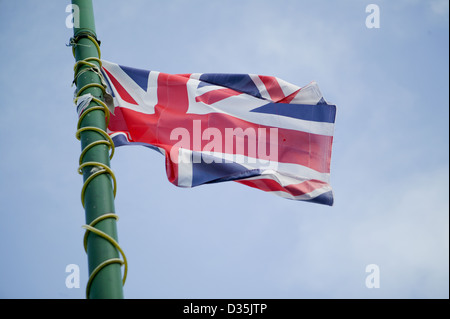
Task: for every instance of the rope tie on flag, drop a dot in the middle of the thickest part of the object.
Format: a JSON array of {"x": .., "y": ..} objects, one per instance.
[
  {"x": 91, "y": 67},
  {"x": 83, "y": 102},
  {"x": 98, "y": 168}
]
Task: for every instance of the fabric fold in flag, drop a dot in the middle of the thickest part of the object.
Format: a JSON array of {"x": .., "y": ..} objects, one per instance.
[{"x": 259, "y": 131}]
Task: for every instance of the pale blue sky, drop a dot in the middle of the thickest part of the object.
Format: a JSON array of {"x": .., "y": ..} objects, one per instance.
[{"x": 389, "y": 168}]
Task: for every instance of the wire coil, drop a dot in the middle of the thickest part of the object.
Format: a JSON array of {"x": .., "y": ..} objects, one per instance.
[
  {"x": 97, "y": 168},
  {"x": 91, "y": 228}
]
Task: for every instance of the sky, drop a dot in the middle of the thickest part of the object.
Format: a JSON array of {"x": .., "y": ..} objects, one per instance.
[{"x": 389, "y": 166}]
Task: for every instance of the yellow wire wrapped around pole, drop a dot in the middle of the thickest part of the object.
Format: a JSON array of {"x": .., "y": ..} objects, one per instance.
[{"x": 99, "y": 188}]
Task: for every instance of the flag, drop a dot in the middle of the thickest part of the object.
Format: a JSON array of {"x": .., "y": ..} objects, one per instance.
[{"x": 256, "y": 130}]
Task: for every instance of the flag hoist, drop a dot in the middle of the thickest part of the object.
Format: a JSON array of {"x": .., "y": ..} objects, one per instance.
[{"x": 99, "y": 188}]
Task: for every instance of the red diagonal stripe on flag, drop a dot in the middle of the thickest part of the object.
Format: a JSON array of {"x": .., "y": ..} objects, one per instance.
[
  {"x": 214, "y": 96},
  {"x": 122, "y": 92},
  {"x": 273, "y": 88},
  {"x": 270, "y": 185}
]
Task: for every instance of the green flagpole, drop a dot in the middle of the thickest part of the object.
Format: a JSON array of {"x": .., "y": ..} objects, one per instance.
[{"x": 105, "y": 273}]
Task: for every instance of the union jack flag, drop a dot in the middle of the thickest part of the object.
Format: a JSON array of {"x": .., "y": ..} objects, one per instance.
[{"x": 259, "y": 131}]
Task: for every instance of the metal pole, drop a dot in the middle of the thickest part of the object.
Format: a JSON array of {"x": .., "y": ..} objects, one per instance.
[{"x": 104, "y": 265}]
